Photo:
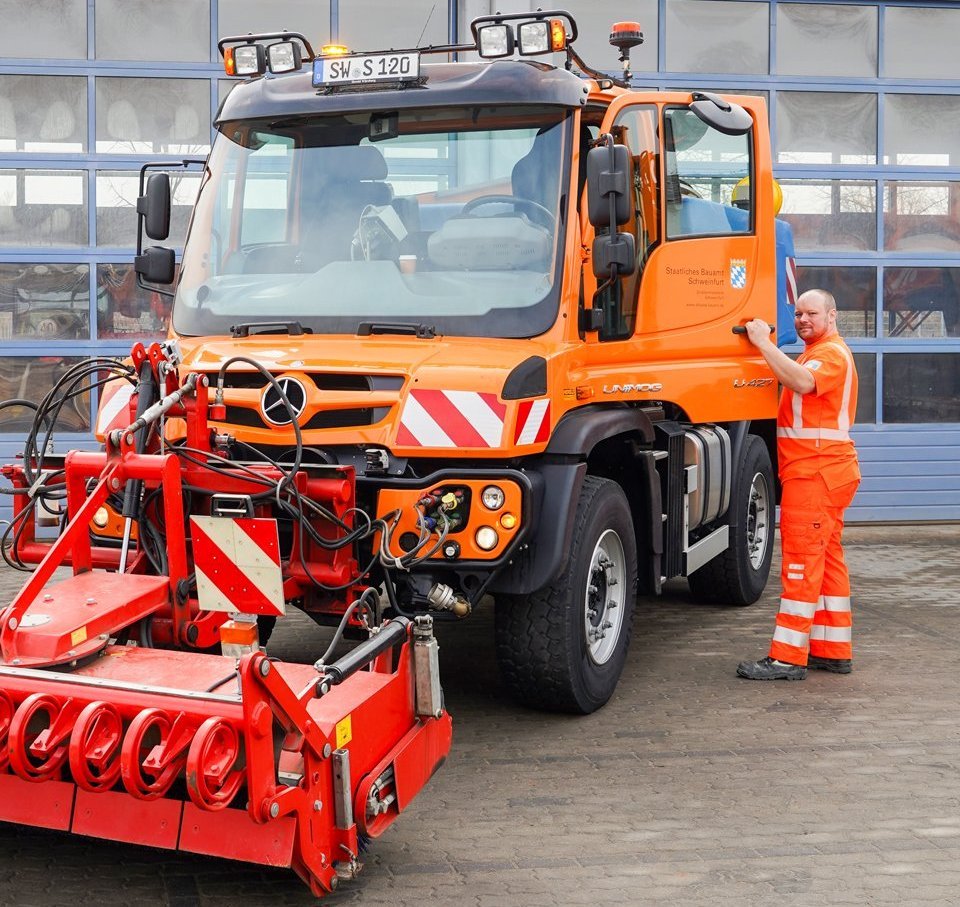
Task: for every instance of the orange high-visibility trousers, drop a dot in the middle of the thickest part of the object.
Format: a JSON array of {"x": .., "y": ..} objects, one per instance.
[{"x": 814, "y": 617}]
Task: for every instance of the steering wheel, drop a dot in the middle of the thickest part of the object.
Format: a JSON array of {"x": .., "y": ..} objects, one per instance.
[
  {"x": 526, "y": 205},
  {"x": 689, "y": 189}
]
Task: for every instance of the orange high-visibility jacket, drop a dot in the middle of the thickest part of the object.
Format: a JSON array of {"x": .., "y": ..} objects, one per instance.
[{"x": 813, "y": 430}]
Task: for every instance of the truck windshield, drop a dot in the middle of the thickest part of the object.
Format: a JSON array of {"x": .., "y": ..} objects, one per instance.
[{"x": 450, "y": 218}]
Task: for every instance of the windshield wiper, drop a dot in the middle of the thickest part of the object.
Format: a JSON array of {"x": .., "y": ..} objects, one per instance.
[
  {"x": 293, "y": 328},
  {"x": 366, "y": 328}
]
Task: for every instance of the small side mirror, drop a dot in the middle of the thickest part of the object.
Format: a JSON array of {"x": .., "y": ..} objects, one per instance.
[
  {"x": 619, "y": 249},
  {"x": 608, "y": 183},
  {"x": 155, "y": 265},
  {"x": 155, "y": 206},
  {"x": 722, "y": 115}
]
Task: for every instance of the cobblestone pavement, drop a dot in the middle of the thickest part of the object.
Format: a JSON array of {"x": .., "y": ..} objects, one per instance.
[{"x": 691, "y": 787}]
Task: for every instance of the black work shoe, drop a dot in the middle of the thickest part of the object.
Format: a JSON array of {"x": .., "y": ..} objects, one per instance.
[
  {"x": 770, "y": 669},
  {"x": 836, "y": 665}
]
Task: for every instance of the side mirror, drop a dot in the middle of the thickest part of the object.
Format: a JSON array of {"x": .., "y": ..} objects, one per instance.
[
  {"x": 608, "y": 183},
  {"x": 721, "y": 114},
  {"x": 618, "y": 249},
  {"x": 154, "y": 207},
  {"x": 155, "y": 265}
]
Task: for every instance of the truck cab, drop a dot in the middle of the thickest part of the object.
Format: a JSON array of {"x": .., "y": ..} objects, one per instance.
[{"x": 500, "y": 298}]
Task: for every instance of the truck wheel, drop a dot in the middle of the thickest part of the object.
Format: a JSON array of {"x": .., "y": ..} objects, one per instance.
[
  {"x": 739, "y": 575},
  {"x": 563, "y": 648}
]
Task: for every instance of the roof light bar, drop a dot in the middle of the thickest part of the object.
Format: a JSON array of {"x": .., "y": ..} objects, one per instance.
[{"x": 250, "y": 55}]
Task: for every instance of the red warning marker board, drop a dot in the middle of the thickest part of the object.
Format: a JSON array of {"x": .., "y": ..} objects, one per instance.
[{"x": 238, "y": 565}]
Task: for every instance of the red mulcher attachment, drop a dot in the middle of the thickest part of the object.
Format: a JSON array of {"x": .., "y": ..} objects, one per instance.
[{"x": 233, "y": 755}]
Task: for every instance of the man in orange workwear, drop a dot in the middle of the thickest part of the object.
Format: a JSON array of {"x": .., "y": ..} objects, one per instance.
[{"x": 819, "y": 474}]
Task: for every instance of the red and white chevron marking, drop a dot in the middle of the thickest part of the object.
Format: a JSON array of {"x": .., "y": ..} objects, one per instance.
[
  {"x": 791, "y": 280},
  {"x": 533, "y": 422},
  {"x": 114, "y": 409},
  {"x": 435, "y": 418},
  {"x": 237, "y": 564}
]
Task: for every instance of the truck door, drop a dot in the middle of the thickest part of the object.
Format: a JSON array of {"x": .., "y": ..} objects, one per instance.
[{"x": 704, "y": 264}]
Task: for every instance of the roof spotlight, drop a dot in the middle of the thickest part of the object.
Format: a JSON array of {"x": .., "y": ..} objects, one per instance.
[
  {"x": 495, "y": 41},
  {"x": 284, "y": 57}
]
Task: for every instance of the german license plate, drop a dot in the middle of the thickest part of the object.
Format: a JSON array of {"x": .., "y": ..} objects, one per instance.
[{"x": 394, "y": 67}]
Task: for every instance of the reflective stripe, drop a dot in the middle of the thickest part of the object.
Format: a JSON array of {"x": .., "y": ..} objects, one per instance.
[
  {"x": 795, "y": 566},
  {"x": 835, "y": 602},
  {"x": 843, "y": 418},
  {"x": 794, "y": 576},
  {"x": 797, "y": 410},
  {"x": 831, "y": 634},
  {"x": 814, "y": 434},
  {"x": 791, "y": 637},
  {"x": 797, "y": 609}
]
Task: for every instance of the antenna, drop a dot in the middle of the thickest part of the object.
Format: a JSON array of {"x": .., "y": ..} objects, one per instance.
[{"x": 423, "y": 31}]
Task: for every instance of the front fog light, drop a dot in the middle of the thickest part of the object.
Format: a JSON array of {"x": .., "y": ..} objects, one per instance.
[
  {"x": 486, "y": 538},
  {"x": 492, "y": 497}
]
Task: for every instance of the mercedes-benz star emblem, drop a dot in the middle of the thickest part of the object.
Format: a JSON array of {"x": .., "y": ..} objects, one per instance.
[{"x": 274, "y": 410}]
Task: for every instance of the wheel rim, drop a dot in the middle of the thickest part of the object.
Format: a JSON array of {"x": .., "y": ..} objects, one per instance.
[
  {"x": 604, "y": 598},
  {"x": 758, "y": 520}
]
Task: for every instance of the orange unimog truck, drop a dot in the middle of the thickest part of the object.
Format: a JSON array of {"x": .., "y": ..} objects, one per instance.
[{"x": 502, "y": 298}]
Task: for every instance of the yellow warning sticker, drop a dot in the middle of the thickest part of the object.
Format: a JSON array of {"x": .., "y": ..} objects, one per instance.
[
  {"x": 78, "y": 636},
  {"x": 344, "y": 732}
]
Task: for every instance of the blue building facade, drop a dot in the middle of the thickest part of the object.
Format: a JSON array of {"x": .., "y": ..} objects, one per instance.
[{"x": 864, "y": 99}]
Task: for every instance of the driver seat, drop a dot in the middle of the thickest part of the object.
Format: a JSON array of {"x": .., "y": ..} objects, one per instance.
[{"x": 535, "y": 176}]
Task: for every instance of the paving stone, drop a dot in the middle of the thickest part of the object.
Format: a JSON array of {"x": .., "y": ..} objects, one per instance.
[{"x": 691, "y": 786}]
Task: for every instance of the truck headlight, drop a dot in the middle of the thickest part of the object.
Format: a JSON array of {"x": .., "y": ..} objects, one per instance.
[{"x": 492, "y": 497}]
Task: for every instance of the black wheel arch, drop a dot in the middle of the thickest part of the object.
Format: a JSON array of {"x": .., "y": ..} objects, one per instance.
[{"x": 606, "y": 441}]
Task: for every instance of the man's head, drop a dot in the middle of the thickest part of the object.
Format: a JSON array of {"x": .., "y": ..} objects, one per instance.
[{"x": 816, "y": 315}]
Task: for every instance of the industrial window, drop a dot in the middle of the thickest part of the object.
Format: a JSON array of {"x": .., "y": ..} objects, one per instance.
[
  {"x": 826, "y": 127},
  {"x": 921, "y": 130},
  {"x": 44, "y": 301},
  {"x": 866, "y": 364},
  {"x": 126, "y": 311},
  {"x": 309, "y": 17},
  {"x": 43, "y": 114},
  {"x": 824, "y": 39},
  {"x": 43, "y": 208},
  {"x": 117, "y": 192},
  {"x": 921, "y": 43},
  {"x": 921, "y": 216},
  {"x": 153, "y": 116},
  {"x": 593, "y": 42},
  {"x": 121, "y": 26},
  {"x": 831, "y": 215},
  {"x": 49, "y": 29},
  {"x": 921, "y": 302},
  {"x": 855, "y": 290},
  {"x": 921, "y": 387},
  {"x": 381, "y": 24},
  {"x": 31, "y": 378},
  {"x": 718, "y": 36}
]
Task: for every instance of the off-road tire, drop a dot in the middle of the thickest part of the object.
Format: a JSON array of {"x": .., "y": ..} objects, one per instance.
[
  {"x": 546, "y": 660},
  {"x": 739, "y": 575}
]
